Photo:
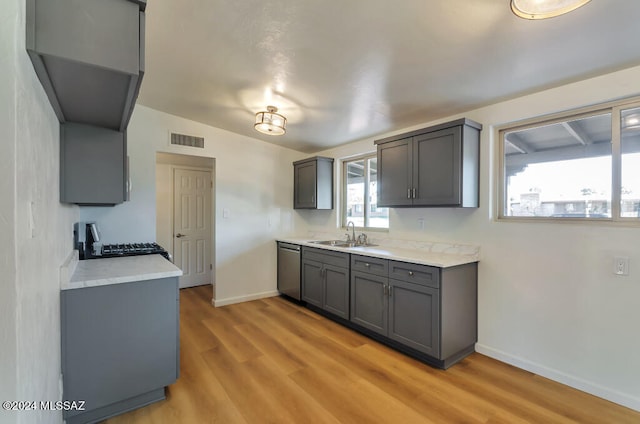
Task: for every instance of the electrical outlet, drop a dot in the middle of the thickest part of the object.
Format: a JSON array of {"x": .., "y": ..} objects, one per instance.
[
  {"x": 421, "y": 223},
  {"x": 621, "y": 265}
]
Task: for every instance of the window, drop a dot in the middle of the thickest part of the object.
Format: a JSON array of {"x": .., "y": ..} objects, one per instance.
[
  {"x": 582, "y": 165},
  {"x": 360, "y": 194}
]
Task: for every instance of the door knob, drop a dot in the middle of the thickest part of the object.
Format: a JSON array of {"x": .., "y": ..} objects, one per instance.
[{"x": 180, "y": 235}]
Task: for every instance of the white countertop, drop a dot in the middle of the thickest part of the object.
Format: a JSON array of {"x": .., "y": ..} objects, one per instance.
[
  {"x": 403, "y": 254},
  {"x": 100, "y": 272}
]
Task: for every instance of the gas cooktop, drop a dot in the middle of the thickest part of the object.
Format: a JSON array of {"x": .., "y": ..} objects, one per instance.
[{"x": 131, "y": 249}]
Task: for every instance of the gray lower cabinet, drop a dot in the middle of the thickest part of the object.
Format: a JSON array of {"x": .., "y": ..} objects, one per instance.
[
  {"x": 407, "y": 312},
  {"x": 427, "y": 309},
  {"x": 369, "y": 293},
  {"x": 325, "y": 280},
  {"x": 120, "y": 346},
  {"x": 435, "y": 166},
  {"x": 369, "y": 301},
  {"x": 93, "y": 165},
  {"x": 89, "y": 57},
  {"x": 312, "y": 282},
  {"x": 414, "y": 318},
  {"x": 336, "y": 290}
]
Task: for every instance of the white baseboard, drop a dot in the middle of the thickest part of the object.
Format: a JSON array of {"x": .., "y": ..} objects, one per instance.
[
  {"x": 247, "y": 298},
  {"x": 561, "y": 377}
]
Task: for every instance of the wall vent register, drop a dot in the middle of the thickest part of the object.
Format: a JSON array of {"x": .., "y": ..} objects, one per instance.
[{"x": 187, "y": 140}]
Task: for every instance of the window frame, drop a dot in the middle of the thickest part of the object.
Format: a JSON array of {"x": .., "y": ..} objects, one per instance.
[
  {"x": 615, "y": 108},
  {"x": 367, "y": 205}
]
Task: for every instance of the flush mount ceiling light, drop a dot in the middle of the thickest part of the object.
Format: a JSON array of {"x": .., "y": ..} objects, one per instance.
[
  {"x": 543, "y": 9},
  {"x": 270, "y": 122}
]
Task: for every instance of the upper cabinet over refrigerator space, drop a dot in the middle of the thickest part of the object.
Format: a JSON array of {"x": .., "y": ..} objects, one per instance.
[{"x": 89, "y": 57}]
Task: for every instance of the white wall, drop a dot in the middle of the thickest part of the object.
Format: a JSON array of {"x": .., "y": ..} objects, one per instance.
[
  {"x": 254, "y": 181},
  {"x": 164, "y": 203},
  {"x": 8, "y": 293},
  {"x": 38, "y": 228},
  {"x": 548, "y": 300}
]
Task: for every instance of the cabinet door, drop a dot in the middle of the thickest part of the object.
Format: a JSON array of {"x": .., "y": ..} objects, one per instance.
[
  {"x": 394, "y": 173},
  {"x": 92, "y": 165},
  {"x": 312, "y": 282},
  {"x": 414, "y": 313},
  {"x": 336, "y": 290},
  {"x": 437, "y": 167},
  {"x": 304, "y": 185},
  {"x": 369, "y": 304}
]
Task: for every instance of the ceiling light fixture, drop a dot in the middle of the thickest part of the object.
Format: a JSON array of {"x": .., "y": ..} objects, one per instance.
[
  {"x": 543, "y": 9},
  {"x": 269, "y": 122}
]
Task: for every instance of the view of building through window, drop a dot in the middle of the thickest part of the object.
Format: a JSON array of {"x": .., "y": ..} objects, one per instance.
[
  {"x": 569, "y": 188},
  {"x": 361, "y": 194},
  {"x": 565, "y": 169}
]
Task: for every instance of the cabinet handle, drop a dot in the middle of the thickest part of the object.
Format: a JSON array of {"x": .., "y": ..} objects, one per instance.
[
  {"x": 408, "y": 193},
  {"x": 367, "y": 265},
  {"x": 313, "y": 199},
  {"x": 384, "y": 289},
  {"x": 410, "y": 273},
  {"x": 414, "y": 192},
  {"x": 389, "y": 290}
]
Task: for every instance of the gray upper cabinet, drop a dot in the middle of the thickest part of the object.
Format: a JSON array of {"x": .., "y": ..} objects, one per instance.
[
  {"x": 93, "y": 165},
  {"x": 435, "y": 166},
  {"x": 89, "y": 57},
  {"x": 313, "y": 183},
  {"x": 394, "y": 173}
]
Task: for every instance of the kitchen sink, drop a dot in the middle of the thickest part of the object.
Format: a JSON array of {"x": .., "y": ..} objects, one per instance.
[{"x": 341, "y": 243}]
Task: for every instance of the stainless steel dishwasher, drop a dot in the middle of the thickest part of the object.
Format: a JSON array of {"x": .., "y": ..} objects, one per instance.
[{"x": 289, "y": 269}]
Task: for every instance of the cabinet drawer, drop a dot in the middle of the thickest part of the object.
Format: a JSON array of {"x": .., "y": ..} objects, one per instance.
[
  {"x": 370, "y": 265},
  {"x": 413, "y": 273},
  {"x": 326, "y": 256}
]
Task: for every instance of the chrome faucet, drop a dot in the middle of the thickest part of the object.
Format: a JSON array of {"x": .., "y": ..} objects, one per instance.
[{"x": 351, "y": 238}]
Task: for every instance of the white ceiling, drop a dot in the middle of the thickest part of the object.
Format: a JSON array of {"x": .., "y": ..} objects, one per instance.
[{"x": 345, "y": 70}]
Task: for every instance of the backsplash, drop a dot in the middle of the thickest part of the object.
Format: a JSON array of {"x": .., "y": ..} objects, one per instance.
[{"x": 427, "y": 246}]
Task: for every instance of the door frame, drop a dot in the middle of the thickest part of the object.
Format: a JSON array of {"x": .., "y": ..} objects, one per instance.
[{"x": 170, "y": 213}]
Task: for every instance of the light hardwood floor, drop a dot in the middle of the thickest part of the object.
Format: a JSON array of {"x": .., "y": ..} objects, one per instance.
[{"x": 271, "y": 361}]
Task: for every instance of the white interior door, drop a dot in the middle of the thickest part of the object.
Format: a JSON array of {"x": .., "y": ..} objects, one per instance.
[{"x": 192, "y": 227}]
